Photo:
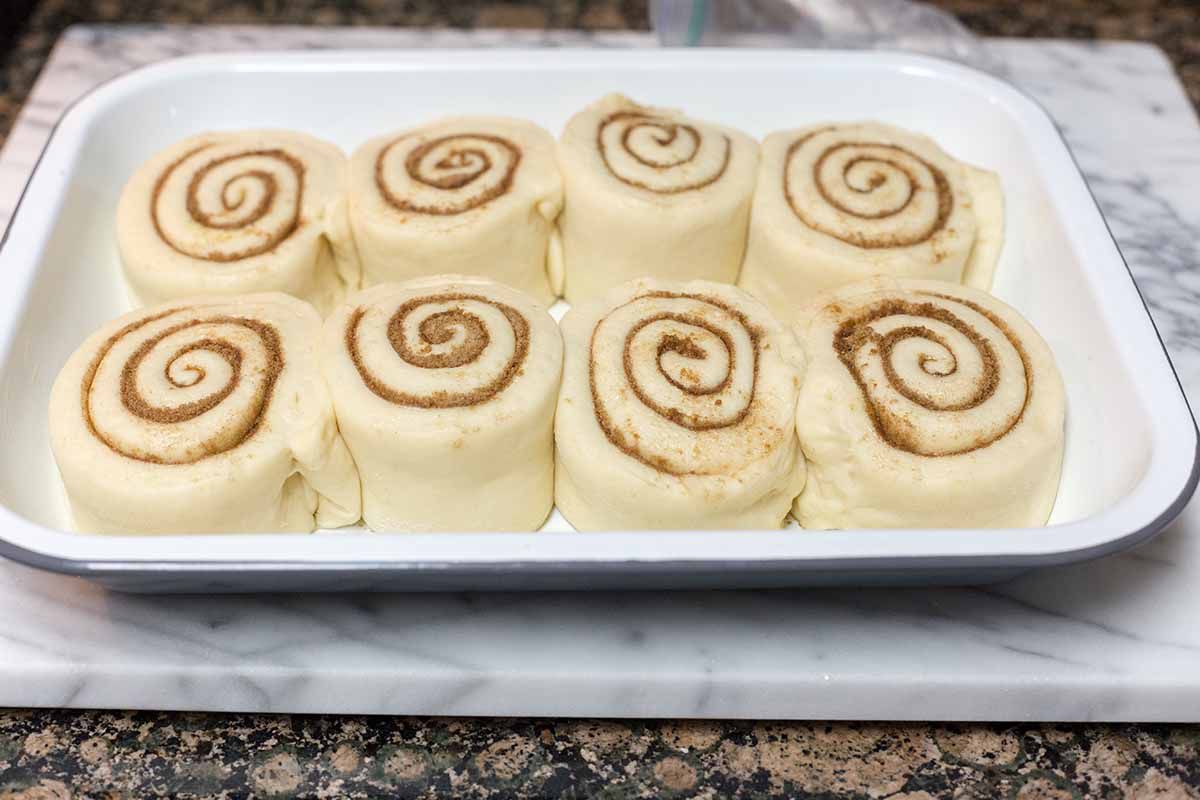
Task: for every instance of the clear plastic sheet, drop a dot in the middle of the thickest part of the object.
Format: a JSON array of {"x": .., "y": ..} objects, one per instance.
[{"x": 842, "y": 24}]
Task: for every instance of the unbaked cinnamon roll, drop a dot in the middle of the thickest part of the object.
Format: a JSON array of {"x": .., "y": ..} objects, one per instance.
[
  {"x": 445, "y": 390},
  {"x": 235, "y": 212},
  {"x": 202, "y": 416},
  {"x": 926, "y": 404},
  {"x": 469, "y": 195},
  {"x": 677, "y": 410},
  {"x": 839, "y": 203},
  {"x": 651, "y": 191}
]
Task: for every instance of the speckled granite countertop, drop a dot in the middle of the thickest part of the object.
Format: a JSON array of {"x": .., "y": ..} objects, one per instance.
[
  {"x": 57, "y": 755},
  {"x": 60, "y": 754}
]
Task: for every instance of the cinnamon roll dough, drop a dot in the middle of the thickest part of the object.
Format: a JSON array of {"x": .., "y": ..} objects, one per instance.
[
  {"x": 203, "y": 415},
  {"x": 234, "y": 212},
  {"x": 653, "y": 192},
  {"x": 839, "y": 203},
  {"x": 470, "y": 195},
  {"x": 926, "y": 404},
  {"x": 677, "y": 410},
  {"x": 445, "y": 390}
]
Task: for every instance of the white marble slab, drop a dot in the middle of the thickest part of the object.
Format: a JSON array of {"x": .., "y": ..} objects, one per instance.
[{"x": 1117, "y": 639}]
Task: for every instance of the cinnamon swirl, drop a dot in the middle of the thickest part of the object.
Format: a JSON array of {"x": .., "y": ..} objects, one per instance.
[
  {"x": 470, "y": 195},
  {"x": 234, "y": 212},
  {"x": 677, "y": 410},
  {"x": 445, "y": 390},
  {"x": 651, "y": 192},
  {"x": 838, "y": 203},
  {"x": 926, "y": 404},
  {"x": 203, "y": 415}
]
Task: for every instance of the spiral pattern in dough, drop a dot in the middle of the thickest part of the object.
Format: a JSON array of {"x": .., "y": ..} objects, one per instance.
[
  {"x": 659, "y": 154},
  {"x": 446, "y": 350},
  {"x": 667, "y": 360},
  {"x": 892, "y": 196},
  {"x": 939, "y": 376},
  {"x": 447, "y": 175},
  {"x": 181, "y": 385},
  {"x": 225, "y": 207}
]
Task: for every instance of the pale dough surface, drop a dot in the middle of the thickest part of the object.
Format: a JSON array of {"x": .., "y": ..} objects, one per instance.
[
  {"x": 651, "y": 192},
  {"x": 227, "y": 213},
  {"x": 445, "y": 390},
  {"x": 204, "y": 415},
  {"x": 926, "y": 404},
  {"x": 840, "y": 203},
  {"x": 470, "y": 195},
  {"x": 677, "y": 410}
]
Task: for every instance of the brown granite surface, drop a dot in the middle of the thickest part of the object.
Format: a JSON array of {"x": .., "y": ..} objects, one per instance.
[
  {"x": 60, "y": 754},
  {"x": 51, "y": 755}
]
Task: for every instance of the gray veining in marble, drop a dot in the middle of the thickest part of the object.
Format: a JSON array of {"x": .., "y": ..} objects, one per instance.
[{"x": 1116, "y": 639}]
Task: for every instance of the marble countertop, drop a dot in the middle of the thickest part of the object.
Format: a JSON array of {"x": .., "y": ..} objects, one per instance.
[
  {"x": 1106, "y": 640},
  {"x": 1115, "y": 639}
]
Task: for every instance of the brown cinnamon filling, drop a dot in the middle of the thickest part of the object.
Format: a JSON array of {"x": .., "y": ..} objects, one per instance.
[
  {"x": 945, "y": 196},
  {"x": 667, "y": 133},
  {"x": 627, "y": 442},
  {"x": 233, "y": 202},
  {"x": 136, "y": 404},
  {"x": 438, "y": 329},
  {"x": 462, "y": 166},
  {"x": 897, "y": 430}
]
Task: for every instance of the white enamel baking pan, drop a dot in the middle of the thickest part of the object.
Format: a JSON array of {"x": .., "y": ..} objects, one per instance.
[{"x": 1131, "y": 450}]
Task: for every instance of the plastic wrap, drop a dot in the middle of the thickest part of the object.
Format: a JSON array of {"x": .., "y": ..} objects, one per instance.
[{"x": 842, "y": 24}]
